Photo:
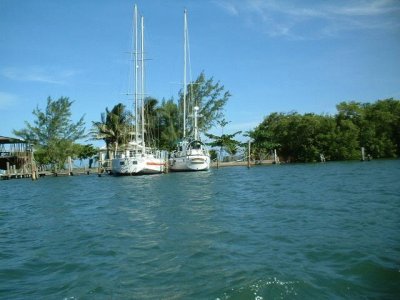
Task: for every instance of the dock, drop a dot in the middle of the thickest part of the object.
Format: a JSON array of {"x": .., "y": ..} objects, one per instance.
[
  {"x": 243, "y": 163},
  {"x": 21, "y": 175}
]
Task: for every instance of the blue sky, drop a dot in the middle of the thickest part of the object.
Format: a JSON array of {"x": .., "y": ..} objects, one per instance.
[{"x": 273, "y": 56}]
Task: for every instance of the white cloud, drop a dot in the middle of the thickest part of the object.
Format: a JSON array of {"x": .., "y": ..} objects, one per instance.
[
  {"x": 38, "y": 74},
  {"x": 7, "y": 100},
  {"x": 227, "y": 6},
  {"x": 290, "y": 18},
  {"x": 366, "y": 8}
]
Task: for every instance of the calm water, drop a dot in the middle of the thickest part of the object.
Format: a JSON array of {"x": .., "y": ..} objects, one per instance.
[{"x": 312, "y": 231}]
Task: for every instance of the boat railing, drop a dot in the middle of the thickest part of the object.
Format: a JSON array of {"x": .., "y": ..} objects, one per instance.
[{"x": 201, "y": 151}]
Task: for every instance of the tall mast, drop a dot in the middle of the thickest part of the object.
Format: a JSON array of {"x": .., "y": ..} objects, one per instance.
[
  {"x": 136, "y": 72},
  {"x": 196, "y": 132},
  {"x": 142, "y": 80},
  {"x": 184, "y": 71}
]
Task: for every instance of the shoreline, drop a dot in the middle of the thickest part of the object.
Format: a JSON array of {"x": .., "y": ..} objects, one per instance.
[{"x": 241, "y": 163}]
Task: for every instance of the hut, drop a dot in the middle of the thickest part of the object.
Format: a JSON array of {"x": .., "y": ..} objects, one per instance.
[{"x": 14, "y": 153}]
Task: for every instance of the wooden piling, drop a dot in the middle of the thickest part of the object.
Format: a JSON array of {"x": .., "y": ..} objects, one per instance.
[
  {"x": 70, "y": 166},
  {"x": 33, "y": 167},
  {"x": 248, "y": 155},
  {"x": 8, "y": 169},
  {"x": 362, "y": 154}
]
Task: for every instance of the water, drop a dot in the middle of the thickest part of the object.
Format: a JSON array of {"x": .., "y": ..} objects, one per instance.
[{"x": 312, "y": 231}]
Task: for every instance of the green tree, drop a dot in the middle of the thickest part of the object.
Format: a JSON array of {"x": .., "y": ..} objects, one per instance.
[
  {"x": 151, "y": 112},
  {"x": 225, "y": 142},
  {"x": 210, "y": 97},
  {"x": 114, "y": 128},
  {"x": 53, "y": 132},
  {"x": 168, "y": 123},
  {"x": 82, "y": 152},
  {"x": 375, "y": 126},
  {"x": 383, "y": 119},
  {"x": 264, "y": 137}
]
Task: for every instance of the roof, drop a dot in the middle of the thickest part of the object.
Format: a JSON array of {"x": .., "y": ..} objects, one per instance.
[{"x": 10, "y": 140}]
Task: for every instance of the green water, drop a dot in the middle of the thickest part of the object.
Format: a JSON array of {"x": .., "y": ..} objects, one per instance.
[{"x": 312, "y": 231}]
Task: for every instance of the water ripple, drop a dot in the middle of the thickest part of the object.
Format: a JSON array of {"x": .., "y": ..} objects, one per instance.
[{"x": 316, "y": 231}]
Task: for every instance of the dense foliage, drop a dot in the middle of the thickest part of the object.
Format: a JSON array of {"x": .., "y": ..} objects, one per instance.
[
  {"x": 53, "y": 133},
  {"x": 114, "y": 128},
  {"x": 303, "y": 138},
  {"x": 164, "y": 120},
  {"x": 224, "y": 142},
  {"x": 296, "y": 137},
  {"x": 210, "y": 97}
]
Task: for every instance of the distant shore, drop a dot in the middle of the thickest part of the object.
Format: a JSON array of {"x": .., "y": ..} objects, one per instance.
[
  {"x": 241, "y": 163},
  {"x": 95, "y": 170}
]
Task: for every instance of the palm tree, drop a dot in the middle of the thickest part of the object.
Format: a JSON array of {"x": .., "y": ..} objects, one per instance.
[
  {"x": 114, "y": 128},
  {"x": 168, "y": 124},
  {"x": 225, "y": 141},
  {"x": 151, "y": 112}
]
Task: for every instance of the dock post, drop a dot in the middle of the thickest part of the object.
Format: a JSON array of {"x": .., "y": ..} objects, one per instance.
[
  {"x": 276, "y": 158},
  {"x": 166, "y": 166},
  {"x": 8, "y": 170},
  {"x": 33, "y": 167},
  {"x": 362, "y": 154},
  {"x": 248, "y": 155},
  {"x": 69, "y": 166}
]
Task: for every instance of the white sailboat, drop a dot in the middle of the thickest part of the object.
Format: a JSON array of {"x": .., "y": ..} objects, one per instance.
[
  {"x": 191, "y": 154},
  {"x": 136, "y": 158}
]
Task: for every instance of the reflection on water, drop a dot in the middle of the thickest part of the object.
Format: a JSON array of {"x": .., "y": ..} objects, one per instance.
[{"x": 305, "y": 231}]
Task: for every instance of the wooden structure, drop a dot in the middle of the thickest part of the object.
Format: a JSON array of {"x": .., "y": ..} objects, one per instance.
[{"x": 15, "y": 156}]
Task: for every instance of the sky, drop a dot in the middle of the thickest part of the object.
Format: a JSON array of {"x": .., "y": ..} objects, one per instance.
[{"x": 272, "y": 56}]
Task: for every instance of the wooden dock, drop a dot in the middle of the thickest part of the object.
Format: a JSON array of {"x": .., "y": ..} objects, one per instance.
[{"x": 76, "y": 172}]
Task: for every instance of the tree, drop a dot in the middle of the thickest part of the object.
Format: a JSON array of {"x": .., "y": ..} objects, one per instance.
[
  {"x": 210, "y": 97},
  {"x": 114, "y": 128},
  {"x": 151, "y": 112},
  {"x": 302, "y": 138},
  {"x": 225, "y": 142},
  {"x": 53, "y": 133},
  {"x": 168, "y": 121},
  {"x": 82, "y": 152},
  {"x": 383, "y": 119},
  {"x": 268, "y": 135}
]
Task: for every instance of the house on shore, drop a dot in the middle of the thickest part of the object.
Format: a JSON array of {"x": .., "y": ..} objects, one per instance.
[{"x": 15, "y": 155}]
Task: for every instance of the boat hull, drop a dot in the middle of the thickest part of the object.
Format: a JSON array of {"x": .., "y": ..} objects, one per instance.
[
  {"x": 189, "y": 163},
  {"x": 137, "y": 166}
]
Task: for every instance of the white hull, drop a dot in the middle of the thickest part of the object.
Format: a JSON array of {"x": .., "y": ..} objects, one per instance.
[
  {"x": 190, "y": 163},
  {"x": 190, "y": 156},
  {"x": 137, "y": 165}
]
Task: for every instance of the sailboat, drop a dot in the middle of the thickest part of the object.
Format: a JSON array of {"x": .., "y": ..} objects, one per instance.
[
  {"x": 136, "y": 157},
  {"x": 191, "y": 154}
]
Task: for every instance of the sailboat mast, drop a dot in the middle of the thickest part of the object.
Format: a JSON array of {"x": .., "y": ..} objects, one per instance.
[
  {"x": 196, "y": 134},
  {"x": 142, "y": 80},
  {"x": 136, "y": 72},
  {"x": 184, "y": 71}
]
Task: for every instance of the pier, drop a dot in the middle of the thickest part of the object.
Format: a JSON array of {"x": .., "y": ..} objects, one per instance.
[
  {"x": 17, "y": 162},
  {"x": 15, "y": 158}
]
